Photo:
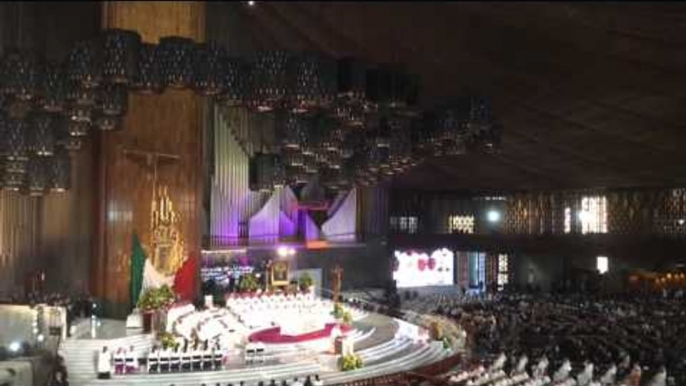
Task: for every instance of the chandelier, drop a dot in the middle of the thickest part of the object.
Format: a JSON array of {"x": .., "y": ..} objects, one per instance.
[
  {"x": 341, "y": 119},
  {"x": 312, "y": 81}
]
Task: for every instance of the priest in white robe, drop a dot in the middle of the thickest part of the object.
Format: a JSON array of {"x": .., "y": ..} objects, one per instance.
[
  {"x": 104, "y": 364},
  {"x": 563, "y": 372}
]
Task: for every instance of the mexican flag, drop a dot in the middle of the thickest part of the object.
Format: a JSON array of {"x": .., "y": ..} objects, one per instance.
[
  {"x": 137, "y": 267},
  {"x": 143, "y": 273}
]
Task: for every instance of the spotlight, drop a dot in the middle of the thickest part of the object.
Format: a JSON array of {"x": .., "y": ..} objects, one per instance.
[
  {"x": 493, "y": 216},
  {"x": 681, "y": 221},
  {"x": 251, "y": 3},
  {"x": 41, "y": 338},
  {"x": 15, "y": 346},
  {"x": 282, "y": 251}
]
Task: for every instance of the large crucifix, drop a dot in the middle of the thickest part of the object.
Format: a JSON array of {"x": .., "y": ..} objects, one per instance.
[{"x": 337, "y": 274}]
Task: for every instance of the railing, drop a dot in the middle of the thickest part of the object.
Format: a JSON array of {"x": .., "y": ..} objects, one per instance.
[{"x": 426, "y": 372}]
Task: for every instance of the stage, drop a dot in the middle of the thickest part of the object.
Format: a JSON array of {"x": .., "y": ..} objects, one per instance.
[{"x": 382, "y": 342}]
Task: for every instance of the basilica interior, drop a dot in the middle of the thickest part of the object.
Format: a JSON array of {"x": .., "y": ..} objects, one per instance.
[{"x": 342, "y": 193}]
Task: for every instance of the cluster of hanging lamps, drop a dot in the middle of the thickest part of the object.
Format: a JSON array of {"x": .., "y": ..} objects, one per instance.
[{"x": 337, "y": 117}]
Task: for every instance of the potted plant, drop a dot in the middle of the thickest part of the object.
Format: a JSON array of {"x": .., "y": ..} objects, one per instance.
[
  {"x": 337, "y": 311},
  {"x": 168, "y": 340},
  {"x": 248, "y": 283},
  {"x": 347, "y": 318},
  {"x": 305, "y": 282},
  {"x": 153, "y": 301},
  {"x": 436, "y": 331},
  {"x": 350, "y": 362}
]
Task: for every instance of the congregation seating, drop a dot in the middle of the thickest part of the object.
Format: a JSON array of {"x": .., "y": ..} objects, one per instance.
[{"x": 587, "y": 340}]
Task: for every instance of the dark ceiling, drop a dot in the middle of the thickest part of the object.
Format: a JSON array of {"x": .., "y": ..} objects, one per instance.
[{"x": 590, "y": 94}]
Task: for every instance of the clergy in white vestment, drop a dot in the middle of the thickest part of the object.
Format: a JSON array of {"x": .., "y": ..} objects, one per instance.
[
  {"x": 609, "y": 377},
  {"x": 499, "y": 363},
  {"x": 563, "y": 372},
  {"x": 634, "y": 377},
  {"x": 625, "y": 363},
  {"x": 104, "y": 364},
  {"x": 586, "y": 376},
  {"x": 119, "y": 361},
  {"x": 541, "y": 367},
  {"x": 659, "y": 379},
  {"x": 521, "y": 364},
  {"x": 131, "y": 360}
]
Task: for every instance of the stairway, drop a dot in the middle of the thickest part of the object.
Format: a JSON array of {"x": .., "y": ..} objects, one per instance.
[
  {"x": 80, "y": 355},
  {"x": 389, "y": 358}
]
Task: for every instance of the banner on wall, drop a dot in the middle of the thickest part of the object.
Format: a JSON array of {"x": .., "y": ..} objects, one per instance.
[{"x": 416, "y": 268}]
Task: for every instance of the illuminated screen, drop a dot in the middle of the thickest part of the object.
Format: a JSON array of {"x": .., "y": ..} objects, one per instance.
[{"x": 417, "y": 268}]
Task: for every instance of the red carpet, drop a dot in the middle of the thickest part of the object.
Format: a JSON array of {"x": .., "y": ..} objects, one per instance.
[{"x": 273, "y": 335}]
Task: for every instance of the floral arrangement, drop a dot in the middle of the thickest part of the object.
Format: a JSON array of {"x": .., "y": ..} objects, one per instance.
[
  {"x": 248, "y": 283},
  {"x": 447, "y": 342},
  {"x": 167, "y": 340},
  {"x": 350, "y": 362},
  {"x": 305, "y": 281},
  {"x": 347, "y": 318},
  {"x": 154, "y": 299},
  {"x": 338, "y": 311}
]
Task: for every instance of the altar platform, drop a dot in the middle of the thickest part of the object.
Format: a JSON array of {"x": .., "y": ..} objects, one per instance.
[{"x": 378, "y": 339}]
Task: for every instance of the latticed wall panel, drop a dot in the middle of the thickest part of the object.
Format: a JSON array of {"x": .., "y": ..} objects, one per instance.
[
  {"x": 657, "y": 212},
  {"x": 491, "y": 269},
  {"x": 641, "y": 212}
]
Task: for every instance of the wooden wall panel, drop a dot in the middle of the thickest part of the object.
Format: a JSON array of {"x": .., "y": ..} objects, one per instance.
[
  {"x": 171, "y": 123},
  {"x": 52, "y": 233},
  {"x": 66, "y": 229},
  {"x": 19, "y": 241}
]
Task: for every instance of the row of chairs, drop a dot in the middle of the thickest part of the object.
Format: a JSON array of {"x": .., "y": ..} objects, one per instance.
[
  {"x": 177, "y": 363},
  {"x": 255, "y": 353},
  {"x": 125, "y": 365}
]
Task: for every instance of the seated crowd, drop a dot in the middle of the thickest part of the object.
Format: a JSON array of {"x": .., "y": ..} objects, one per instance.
[{"x": 622, "y": 339}]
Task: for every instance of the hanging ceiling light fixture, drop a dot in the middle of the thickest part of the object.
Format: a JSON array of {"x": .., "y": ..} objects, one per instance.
[
  {"x": 280, "y": 176},
  {"x": 36, "y": 179},
  {"x": 291, "y": 129},
  {"x": 20, "y": 76},
  {"x": 41, "y": 135},
  {"x": 149, "y": 79},
  {"x": 92, "y": 89},
  {"x": 269, "y": 80},
  {"x": 63, "y": 136},
  {"x": 15, "y": 141},
  {"x": 235, "y": 81},
  {"x": 312, "y": 81},
  {"x": 176, "y": 56},
  {"x": 59, "y": 172},
  {"x": 209, "y": 74},
  {"x": 53, "y": 88},
  {"x": 12, "y": 181},
  {"x": 352, "y": 80},
  {"x": 111, "y": 105},
  {"x": 120, "y": 55},
  {"x": 79, "y": 121},
  {"x": 83, "y": 66}
]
